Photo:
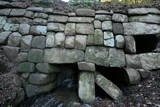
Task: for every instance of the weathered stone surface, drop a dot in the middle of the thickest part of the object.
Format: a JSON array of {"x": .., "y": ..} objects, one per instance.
[
  {"x": 120, "y": 18},
  {"x": 130, "y": 44},
  {"x": 133, "y": 61},
  {"x": 118, "y": 28},
  {"x": 11, "y": 52},
  {"x": 108, "y": 35},
  {"x": 11, "y": 27},
  {"x": 109, "y": 12},
  {"x": 24, "y": 28},
  {"x": 80, "y": 19},
  {"x": 26, "y": 42},
  {"x": 144, "y": 73},
  {"x": 39, "y": 42},
  {"x": 38, "y": 30},
  {"x": 55, "y": 27},
  {"x": 116, "y": 58},
  {"x": 133, "y": 76},
  {"x": 97, "y": 55},
  {"x": 17, "y": 12},
  {"x": 41, "y": 15},
  {"x": 110, "y": 88},
  {"x": 4, "y": 36},
  {"x": 50, "y": 39},
  {"x": 70, "y": 29},
  {"x": 103, "y": 17},
  {"x": 29, "y": 14},
  {"x": 59, "y": 39},
  {"x": 59, "y": 55},
  {"x": 26, "y": 67},
  {"x": 97, "y": 24},
  {"x": 97, "y": 38},
  {"x": 70, "y": 41},
  {"x": 149, "y": 60},
  {"x": 140, "y": 11},
  {"x": 119, "y": 39},
  {"x": 35, "y": 9},
  {"x": 84, "y": 29},
  {"x": 39, "y": 21},
  {"x": 5, "y": 12},
  {"x": 109, "y": 42},
  {"x": 138, "y": 28},
  {"x": 107, "y": 25},
  {"x": 86, "y": 66},
  {"x": 14, "y": 39},
  {"x": 3, "y": 21},
  {"x": 47, "y": 68},
  {"x": 86, "y": 89},
  {"x": 22, "y": 57},
  {"x": 35, "y": 55},
  {"x": 80, "y": 41},
  {"x": 32, "y": 90},
  {"x": 20, "y": 20},
  {"x": 85, "y": 12},
  {"x": 40, "y": 79},
  {"x": 57, "y": 18},
  {"x": 146, "y": 18}
]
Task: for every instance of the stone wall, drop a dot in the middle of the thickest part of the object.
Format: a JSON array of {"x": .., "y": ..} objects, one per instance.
[{"x": 38, "y": 39}]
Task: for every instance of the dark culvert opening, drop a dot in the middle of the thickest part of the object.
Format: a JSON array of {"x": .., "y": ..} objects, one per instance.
[
  {"x": 116, "y": 75},
  {"x": 146, "y": 44}
]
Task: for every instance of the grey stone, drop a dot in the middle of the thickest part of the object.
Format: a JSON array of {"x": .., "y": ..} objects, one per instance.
[
  {"x": 97, "y": 55},
  {"x": 109, "y": 12},
  {"x": 11, "y": 27},
  {"x": 97, "y": 24},
  {"x": 41, "y": 15},
  {"x": 69, "y": 42},
  {"x": 86, "y": 66},
  {"x": 138, "y": 28},
  {"x": 26, "y": 42},
  {"x": 120, "y": 18},
  {"x": 24, "y": 29},
  {"x": 133, "y": 61},
  {"x": 119, "y": 41},
  {"x": 5, "y": 12},
  {"x": 14, "y": 39},
  {"x": 35, "y": 55},
  {"x": 144, "y": 73},
  {"x": 84, "y": 29},
  {"x": 39, "y": 21},
  {"x": 22, "y": 57},
  {"x": 48, "y": 10},
  {"x": 118, "y": 28},
  {"x": 59, "y": 39},
  {"x": 80, "y": 42},
  {"x": 130, "y": 44},
  {"x": 39, "y": 42},
  {"x": 4, "y": 36},
  {"x": 38, "y": 30},
  {"x": 107, "y": 25},
  {"x": 86, "y": 85},
  {"x": 29, "y": 14},
  {"x": 50, "y": 39},
  {"x": 25, "y": 75},
  {"x": 110, "y": 88},
  {"x": 3, "y": 21},
  {"x": 133, "y": 76},
  {"x": 85, "y": 12},
  {"x": 35, "y": 9},
  {"x": 147, "y": 18},
  {"x": 11, "y": 52},
  {"x": 33, "y": 90},
  {"x": 70, "y": 29},
  {"x": 71, "y": 14},
  {"x": 108, "y": 35},
  {"x": 103, "y": 17},
  {"x": 55, "y": 27},
  {"x": 141, "y": 11},
  {"x": 47, "y": 68},
  {"x": 116, "y": 58},
  {"x": 59, "y": 55},
  {"x": 20, "y": 20},
  {"x": 41, "y": 79},
  {"x": 80, "y": 19},
  {"x": 17, "y": 12},
  {"x": 26, "y": 67},
  {"x": 109, "y": 42},
  {"x": 57, "y": 18}
]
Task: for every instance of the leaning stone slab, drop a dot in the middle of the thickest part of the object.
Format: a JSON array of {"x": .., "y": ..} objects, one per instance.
[
  {"x": 59, "y": 55},
  {"x": 138, "y": 28},
  {"x": 26, "y": 67},
  {"x": 133, "y": 76},
  {"x": 80, "y": 19},
  {"x": 86, "y": 89},
  {"x": 147, "y": 19},
  {"x": 86, "y": 66},
  {"x": 110, "y": 88},
  {"x": 57, "y": 18},
  {"x": 85, "y": 12},
  {"x": 84, "y": 29},
  {"x": 140, "y": 11}
]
